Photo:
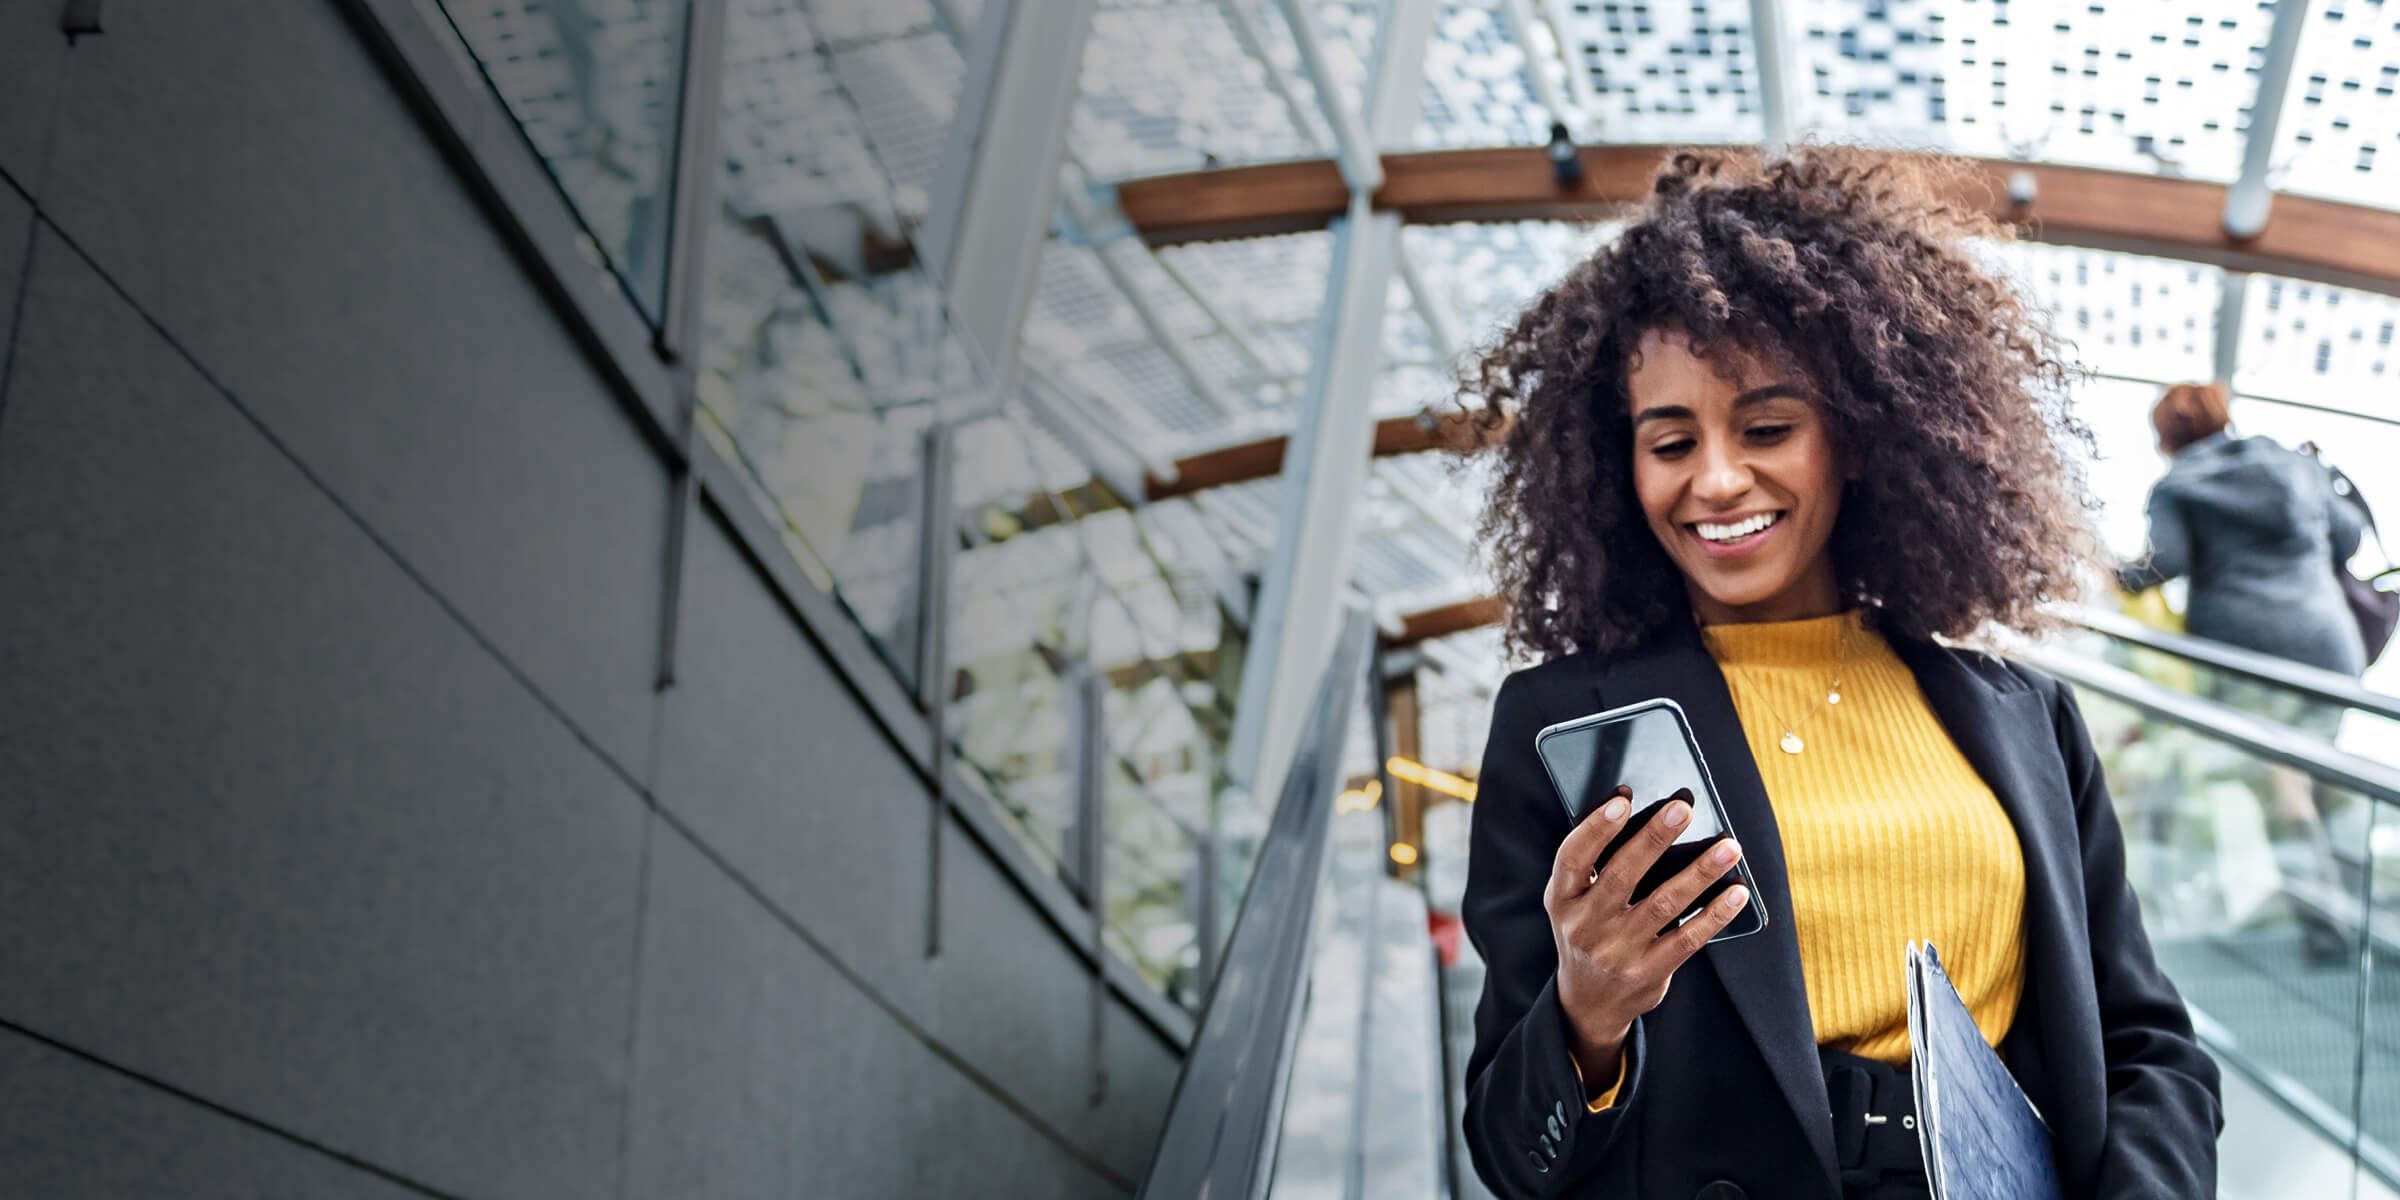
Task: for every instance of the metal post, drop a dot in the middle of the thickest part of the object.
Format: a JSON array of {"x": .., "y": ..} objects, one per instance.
[
  {"x": 1091, "y": 851},
  {"x": 937, "y": 552},
  {"x": 695, "y": 193},
  {"x": 1777, "y": 72},
  {"x": 2233, "y": 289},
  {"x": 992, "y": 206},
  {"x": 2247, "y": 201}
]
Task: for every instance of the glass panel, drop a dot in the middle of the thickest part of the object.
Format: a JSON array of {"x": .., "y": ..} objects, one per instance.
[
  {"x": 595, "y": 85},
  {"x": 1021, "y": 593},
  {"x": 2249, "y": 875},
  {"x": 829, "y": 354},
  {"x": 1152, "y": 887}
]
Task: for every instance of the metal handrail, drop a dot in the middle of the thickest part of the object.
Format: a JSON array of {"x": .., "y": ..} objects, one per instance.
[
  {"x": 2316, "y": 683},
  {"x": 2259, "y": 736},
  {"x": 1220, "y": 1132}
]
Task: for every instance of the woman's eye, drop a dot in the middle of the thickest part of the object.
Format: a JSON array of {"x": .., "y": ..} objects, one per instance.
[
  {"x": 1674, "y": 449},
  {"x": 1769, "y": 433}
]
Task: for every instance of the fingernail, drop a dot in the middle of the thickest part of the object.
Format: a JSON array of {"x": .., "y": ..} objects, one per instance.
[
  {"x": 1614, "y": 809},
  {"x": 1625, "y": 789},
  {"x": 1676, "y": 814},
  {"x": 1723, "y": 854},
  {"x": 1735, "y": 898}
]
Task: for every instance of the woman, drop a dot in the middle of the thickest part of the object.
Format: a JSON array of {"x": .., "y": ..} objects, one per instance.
[
  {"x": 2260, "y": 532},
  {"x": 2258, "y": 529},
  {"x": 1754, "y": 456}
]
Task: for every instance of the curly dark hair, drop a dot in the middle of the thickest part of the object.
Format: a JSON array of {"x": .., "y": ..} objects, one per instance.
[{"x": 1936, "y": 382}]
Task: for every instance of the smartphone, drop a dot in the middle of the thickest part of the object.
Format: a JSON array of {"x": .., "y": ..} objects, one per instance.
[{"x": 1649, "y": 747}]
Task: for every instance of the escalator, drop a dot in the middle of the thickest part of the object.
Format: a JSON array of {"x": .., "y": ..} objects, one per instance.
[{"x": 2261, "y": 808}]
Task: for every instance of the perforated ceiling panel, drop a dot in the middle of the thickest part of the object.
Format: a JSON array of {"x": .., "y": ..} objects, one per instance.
[
  {"x": 2340, "y": 135},
  {"x": 2131, "y": 84},
  {"x": 1662, "y": 70},
  {"x": 1172, "y": 88},
  {"x": 1490, "y": 273},
  {"x": 791, "y": 139},
  {"x": 1476, "y": 92},
  {"x": 2324, "y": 345},
  {"x": 2124, "y": 314},
  {"x": 906, "y": 89}
]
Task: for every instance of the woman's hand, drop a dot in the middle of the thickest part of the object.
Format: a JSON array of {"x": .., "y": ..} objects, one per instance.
[{"x": 1614, "y": 964}]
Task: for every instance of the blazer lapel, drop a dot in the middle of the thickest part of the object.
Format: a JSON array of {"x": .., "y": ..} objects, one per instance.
[
  {"x": 1761, "y": 972},
  {"x": 2005, "y": 733}
]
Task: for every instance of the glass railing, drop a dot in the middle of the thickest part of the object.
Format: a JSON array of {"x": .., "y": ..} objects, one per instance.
[{"x": 2268, "y": 867}]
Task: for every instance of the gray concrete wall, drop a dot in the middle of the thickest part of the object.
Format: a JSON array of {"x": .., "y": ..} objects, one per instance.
[{"x": 345, "y": 845}]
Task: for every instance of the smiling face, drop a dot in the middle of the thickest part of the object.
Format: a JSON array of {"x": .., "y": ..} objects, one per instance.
[{"x": 1739, "y": 479}]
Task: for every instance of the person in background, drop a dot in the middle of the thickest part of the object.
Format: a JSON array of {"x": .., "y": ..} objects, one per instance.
[
  {"x": 2257, "y": 529},
  {"x": 2259, "y": 532}
]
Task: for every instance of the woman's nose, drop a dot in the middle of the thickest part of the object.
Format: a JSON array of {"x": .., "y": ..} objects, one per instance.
[{"x": 1723, "y": 476}]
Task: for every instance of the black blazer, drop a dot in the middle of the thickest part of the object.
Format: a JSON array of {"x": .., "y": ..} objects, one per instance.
[{"x": 1723, "y": 1096}]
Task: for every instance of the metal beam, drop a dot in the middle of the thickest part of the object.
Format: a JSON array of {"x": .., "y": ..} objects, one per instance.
[
  {"x": 2233, "y": 289},
  {"x": 1362, "y": 169},
  {"x": 1517, "y": 17},
  {"x": 1325, "y": 464},
  {"x": 1579, "y": 80},
  {"x": 1770, "y": 41},
  {"x": 992, "y": 205},
  {"x": 2247, "y": 202},
  {"x": 1448, "y": 339},
  {"x": 1243, "y": 16}
]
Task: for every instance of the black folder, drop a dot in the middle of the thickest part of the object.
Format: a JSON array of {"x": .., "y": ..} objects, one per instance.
[{"x": 1981, "y": 1136}]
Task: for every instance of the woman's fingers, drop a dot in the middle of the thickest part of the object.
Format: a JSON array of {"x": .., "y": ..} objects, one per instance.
[
  {"x": 1625, "y": 869},
  {"x": 1673, "y": 948},
  {"x": 1661, "y": 907},
  {"x": 1571, "y": 867}
]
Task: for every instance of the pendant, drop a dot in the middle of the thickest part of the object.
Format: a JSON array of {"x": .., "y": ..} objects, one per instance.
[
  {"x": 1833, "y": 697},
  {"x": 1790, "y": 743}
]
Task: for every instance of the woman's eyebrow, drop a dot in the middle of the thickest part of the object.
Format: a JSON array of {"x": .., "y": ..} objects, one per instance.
[
  {"x": 1769, "y": 391},
  {"x": 1757, "y": 395}
]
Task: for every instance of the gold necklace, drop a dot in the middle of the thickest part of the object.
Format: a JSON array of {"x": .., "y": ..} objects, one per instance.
[{"x": 1790, "y": 742}]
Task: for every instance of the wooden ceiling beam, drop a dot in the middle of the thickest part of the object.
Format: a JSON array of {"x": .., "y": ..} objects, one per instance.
[{"x": 2305, "y": 237}]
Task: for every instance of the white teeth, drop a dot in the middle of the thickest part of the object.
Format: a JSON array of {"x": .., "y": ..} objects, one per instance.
[{"x": 1737, "y": 530}]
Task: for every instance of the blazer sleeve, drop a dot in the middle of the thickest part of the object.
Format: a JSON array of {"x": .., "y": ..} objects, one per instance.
[
  {"x": 2163, "y": 1107},
  {"x": 1527, "y": 1125}
]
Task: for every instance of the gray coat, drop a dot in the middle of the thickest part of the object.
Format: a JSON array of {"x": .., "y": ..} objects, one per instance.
[{"x": 2258, "y": 529}]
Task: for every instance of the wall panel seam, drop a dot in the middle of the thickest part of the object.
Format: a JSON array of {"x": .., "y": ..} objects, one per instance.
[{"x": 196, "y": 1100}]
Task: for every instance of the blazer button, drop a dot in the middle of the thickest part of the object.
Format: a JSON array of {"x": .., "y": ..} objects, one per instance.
[{"x": 1720, "y": 1190}]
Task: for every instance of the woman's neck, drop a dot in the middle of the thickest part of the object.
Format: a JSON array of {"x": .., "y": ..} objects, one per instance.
[{"x": 1815, "y": 593}]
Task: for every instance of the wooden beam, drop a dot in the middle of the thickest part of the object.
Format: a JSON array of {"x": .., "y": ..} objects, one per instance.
[
  {"x": 1259, "y": 459},
  {"x": 1448, "y": 619},
  {"x": 2308, "y": 238}
]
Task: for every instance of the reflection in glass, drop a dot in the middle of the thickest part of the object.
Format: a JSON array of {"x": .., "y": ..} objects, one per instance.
[
  {"x": 829, "y": 354},
  {"x": 595, "y": 86},
  {"x": 1151, "y": 887},
  {"x": 2251, "y": 891}
]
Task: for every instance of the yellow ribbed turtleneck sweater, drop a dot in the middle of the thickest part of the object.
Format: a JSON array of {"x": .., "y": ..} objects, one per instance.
[{"x": 1888, "y": 833}]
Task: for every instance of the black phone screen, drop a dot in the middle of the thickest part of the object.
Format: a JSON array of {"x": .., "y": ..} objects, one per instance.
[{"x": 1649, "y": 748}]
